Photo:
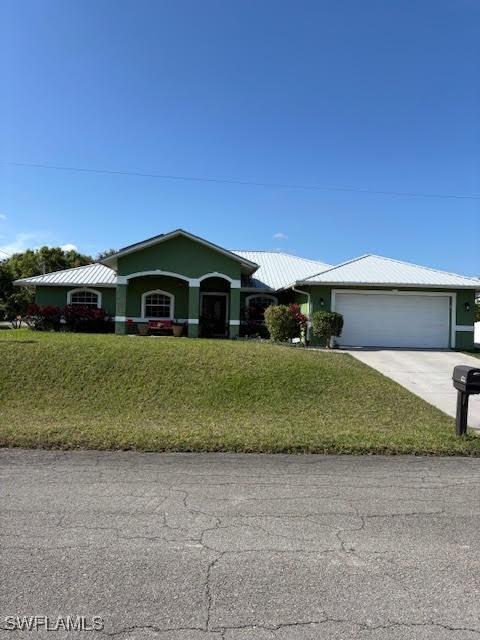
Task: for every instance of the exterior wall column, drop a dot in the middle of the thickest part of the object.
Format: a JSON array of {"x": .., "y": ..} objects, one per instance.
[
  {"x": 121, "y": 309},
  {"x": 234, "y": 311},
  {"x": 193, "y": 310}
]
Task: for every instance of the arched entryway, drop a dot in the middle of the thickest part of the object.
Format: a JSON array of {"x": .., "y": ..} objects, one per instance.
[{"x": 214, "y": 308}]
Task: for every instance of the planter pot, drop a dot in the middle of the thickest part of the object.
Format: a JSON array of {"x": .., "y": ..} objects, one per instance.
[
  {"x": 177, "y": 330},
  {"x": 142, "y": 329}
]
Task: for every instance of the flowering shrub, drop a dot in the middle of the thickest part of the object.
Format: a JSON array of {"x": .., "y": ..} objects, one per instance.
[
  {"x": 285, "y": 322},
  {"x": 68, "y": 318},
  {"x": 86, "y": 319},
  {"x": 47, "y": 318}
]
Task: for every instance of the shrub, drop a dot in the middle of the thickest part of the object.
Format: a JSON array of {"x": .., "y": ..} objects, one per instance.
[
  {"x": 300, "y": 320},
  {"x": 285, "y": 322},
  {"x": 47, "y": 318},
  {"x": 254, "y": 322},
  {"x": 86, "y": 319},
  {"x": 326, "y": 324},
  {"x": 69, "y": 318}
]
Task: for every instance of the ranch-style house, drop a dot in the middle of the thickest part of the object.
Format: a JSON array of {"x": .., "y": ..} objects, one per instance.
[{"x": 178, "y": 275}]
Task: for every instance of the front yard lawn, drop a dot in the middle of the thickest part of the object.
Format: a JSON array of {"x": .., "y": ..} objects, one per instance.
[{"x": 112, "y": 392}]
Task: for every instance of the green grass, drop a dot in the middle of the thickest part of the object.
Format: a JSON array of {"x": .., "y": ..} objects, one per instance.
[{"x": 114, "y": 392}]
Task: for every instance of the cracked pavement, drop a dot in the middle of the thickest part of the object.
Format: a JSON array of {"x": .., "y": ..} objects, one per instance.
[{"x": 241, "y": 547}]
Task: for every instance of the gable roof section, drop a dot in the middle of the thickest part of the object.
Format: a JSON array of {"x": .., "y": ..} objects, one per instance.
[
  {"x": 278, "y": 270},
  {"x": 377, "y": 270},
  {"x": 95, "y": 274},
  {"x": 112, "y": 260}
]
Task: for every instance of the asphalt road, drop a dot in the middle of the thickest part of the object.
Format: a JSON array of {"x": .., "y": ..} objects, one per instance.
[{"x": 240, "y": 547}]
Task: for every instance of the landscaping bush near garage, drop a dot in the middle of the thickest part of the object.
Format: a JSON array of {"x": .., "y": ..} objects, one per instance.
[
  {"x": 285, "y": 322},
  {"x": 75, "y": 318},
  {"x": 72, "y": 390},
  {"x": 327, "y": 325}
]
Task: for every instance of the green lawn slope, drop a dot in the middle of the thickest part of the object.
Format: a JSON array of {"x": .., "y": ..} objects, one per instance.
[{"x": 110, "y": 392}]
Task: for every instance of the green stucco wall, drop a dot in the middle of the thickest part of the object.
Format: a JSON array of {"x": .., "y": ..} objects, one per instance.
[
  {"x": 138, "y": 286},
  {"x": 179, "y": 255},
  {"x": 57, "y": 296}
]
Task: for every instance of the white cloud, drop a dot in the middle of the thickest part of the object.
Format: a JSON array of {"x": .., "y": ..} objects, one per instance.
[
  {"x": 3, "y": 216},
  {"x": 280, "y": 236},
  {"x": 24, "y": 241},
  {"x": 69, "y": 247}
]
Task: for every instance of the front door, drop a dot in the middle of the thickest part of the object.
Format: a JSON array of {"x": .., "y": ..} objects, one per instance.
[{"x": 213, "y": 321}]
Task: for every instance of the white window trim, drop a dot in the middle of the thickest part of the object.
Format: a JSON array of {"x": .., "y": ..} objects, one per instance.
[
  {"x": 81, "y": 289},
  {"x": 395, "y": 292},
  {"x": 163, "y": 293},
  {"x": 274, "y": 299}
]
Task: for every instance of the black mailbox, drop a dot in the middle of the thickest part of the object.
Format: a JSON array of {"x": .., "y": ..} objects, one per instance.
[{"x": 466, "y": 381}]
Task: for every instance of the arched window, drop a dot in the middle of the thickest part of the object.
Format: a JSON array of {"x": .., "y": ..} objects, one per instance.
[
  {"x": 157, "y": 304},
  {"x": 85, "y": 298},
  {"x": 260, "y": 301}
]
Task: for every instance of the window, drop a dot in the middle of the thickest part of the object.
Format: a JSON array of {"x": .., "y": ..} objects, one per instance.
[
  {"x": 157, "y": 304},
  {"x": 260, "y": 301},
  {"x": 84, "y": 298}
]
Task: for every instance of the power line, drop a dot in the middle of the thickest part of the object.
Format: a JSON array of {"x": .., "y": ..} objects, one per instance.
[
  {"x": 5, "y": 253},
  {"x": 278, "y": 185}
]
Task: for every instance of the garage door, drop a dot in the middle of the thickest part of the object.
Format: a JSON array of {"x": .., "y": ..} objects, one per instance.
[{"x": 383, "y": 320}]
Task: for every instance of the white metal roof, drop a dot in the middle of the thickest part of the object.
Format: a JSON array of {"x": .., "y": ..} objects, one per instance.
[
  {"x": 278, "y": 270},
  {"x": 92, "y": 274},
  {"x": 376, "y": 270}
]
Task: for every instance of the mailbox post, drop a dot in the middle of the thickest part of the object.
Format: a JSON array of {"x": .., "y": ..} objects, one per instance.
[{"x": 466, "y": 381}]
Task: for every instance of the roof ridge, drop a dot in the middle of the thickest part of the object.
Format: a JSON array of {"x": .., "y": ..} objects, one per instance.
[
  {"x": 419, "y": 266},
  {"x": 337, "y": 266},
  {"x": 278, "y": 252}
]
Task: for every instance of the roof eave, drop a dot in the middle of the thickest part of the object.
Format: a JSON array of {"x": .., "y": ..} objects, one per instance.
[
  {"x": 387, "y": 285},
  {"x": 29, "y": 283}
]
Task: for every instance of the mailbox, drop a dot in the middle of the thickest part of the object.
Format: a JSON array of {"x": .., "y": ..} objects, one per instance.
[{"x": 466, "y": 381}]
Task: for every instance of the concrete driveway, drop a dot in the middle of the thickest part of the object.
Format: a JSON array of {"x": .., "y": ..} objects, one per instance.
[
  {"x": 428, "y": 374},
  {"x": 241, "y": 547}
]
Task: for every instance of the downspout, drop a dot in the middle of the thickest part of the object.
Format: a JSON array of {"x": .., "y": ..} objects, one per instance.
[{"x": 309, "y": 309}]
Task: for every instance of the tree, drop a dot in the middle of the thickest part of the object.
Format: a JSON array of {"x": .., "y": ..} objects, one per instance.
[
  {"x": 105, "y": 254},
  {"x": 13, "y": 300}
]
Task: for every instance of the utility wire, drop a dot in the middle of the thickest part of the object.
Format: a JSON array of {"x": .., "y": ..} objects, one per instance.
[
  {"x": 245, "y": 182},
  {"x": 5, "y": 253}
]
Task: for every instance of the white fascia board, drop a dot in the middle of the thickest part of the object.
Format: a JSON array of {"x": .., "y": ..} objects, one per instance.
[{"x": 384, "y": 285}]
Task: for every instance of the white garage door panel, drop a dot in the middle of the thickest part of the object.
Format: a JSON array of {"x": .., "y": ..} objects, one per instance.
[{"x": 382, "y": 320}]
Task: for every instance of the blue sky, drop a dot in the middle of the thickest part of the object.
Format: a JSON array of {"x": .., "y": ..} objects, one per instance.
[{"x": 374, "y": 95}]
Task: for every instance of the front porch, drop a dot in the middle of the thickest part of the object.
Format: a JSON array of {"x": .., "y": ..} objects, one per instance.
[{"x": 209, "y": 306}]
